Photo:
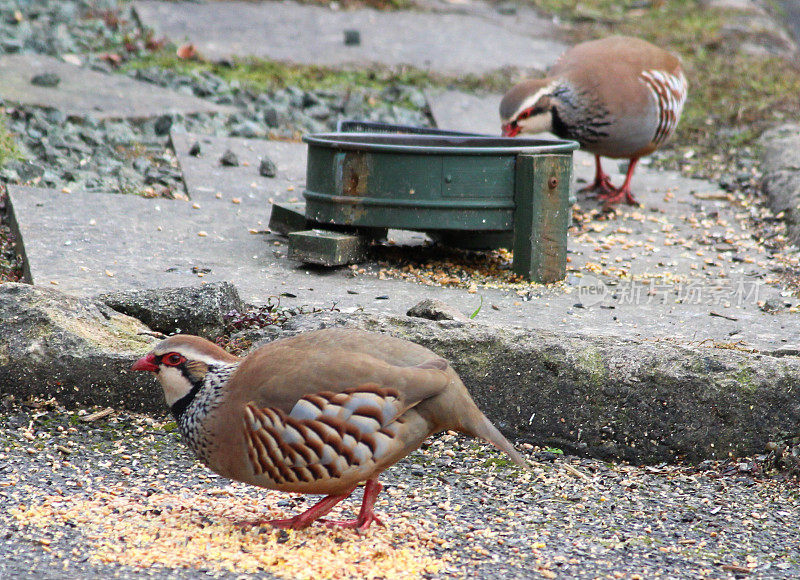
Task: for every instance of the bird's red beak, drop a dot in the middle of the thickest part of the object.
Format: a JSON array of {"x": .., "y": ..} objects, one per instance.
[
  {"x": 511, "y": 130},
  {"x": 146, "y": 363}
]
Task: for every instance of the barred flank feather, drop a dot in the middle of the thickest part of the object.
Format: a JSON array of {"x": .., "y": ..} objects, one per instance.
[{"x": 325, "y": 435}]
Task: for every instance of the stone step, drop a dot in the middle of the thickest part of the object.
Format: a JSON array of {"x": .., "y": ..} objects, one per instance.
[{"x": 80, "y": 92}]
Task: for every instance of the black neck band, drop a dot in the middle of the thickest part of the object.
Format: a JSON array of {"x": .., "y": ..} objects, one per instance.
[
  {"x": 180, "y": 406},
  {"x": 560, "y": 128}
]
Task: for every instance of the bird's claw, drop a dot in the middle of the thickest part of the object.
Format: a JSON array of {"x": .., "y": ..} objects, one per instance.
[
  {"x": 360, "y": 525},
  {"x": 294, "y": 523},
  {"x": 617, "y": 197},
  {"x": 602, "y": 185}
]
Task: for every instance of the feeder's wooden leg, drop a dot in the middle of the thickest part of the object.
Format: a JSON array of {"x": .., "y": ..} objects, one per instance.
[
  {"x": 542, "y": 216},
  {"x": 287, "y": 218}
]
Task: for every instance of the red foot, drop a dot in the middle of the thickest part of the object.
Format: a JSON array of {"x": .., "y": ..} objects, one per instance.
[
  {"x": 365, "y": 515},
  {"x": 359, "y": 524},
  {"x": 294, "y": 523},
  {"x": 312, "y": 514},
  {"x": 617, "y": 196},
  {"x": 601, "y": 183},
  {"x": 623, "y": 193},
  {"x": 603, "y": 186}
]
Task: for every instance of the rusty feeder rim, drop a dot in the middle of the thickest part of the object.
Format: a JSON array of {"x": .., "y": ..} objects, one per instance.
[{"x": 440, "y": 144}]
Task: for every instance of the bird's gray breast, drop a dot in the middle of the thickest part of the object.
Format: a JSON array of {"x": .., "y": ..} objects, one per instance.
[
  {"x": 630, "y": 133},
  {"x": 579, "y": 115},
  {"x": 587, "y": 119}
]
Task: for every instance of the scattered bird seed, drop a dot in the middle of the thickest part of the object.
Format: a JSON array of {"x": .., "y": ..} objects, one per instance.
[
  {"x": 130, "y": 497},
  {"x": 97, "y": 415}
]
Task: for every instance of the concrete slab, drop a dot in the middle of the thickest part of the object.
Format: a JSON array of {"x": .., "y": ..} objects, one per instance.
[
  {"x": 513, "y": 16},
  {"x": 88, "y": 243},
  {"x": 447, "y": 43},
  {"x": 460, "y": 111},
  {"x": 81, "y": 92},
  {"x": 682, "y": 269},
  {"x": 791, "y": 17},
  {"x": 207, "y": 180}
]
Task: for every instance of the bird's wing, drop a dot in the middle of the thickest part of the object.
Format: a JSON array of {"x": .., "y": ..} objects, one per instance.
[
  {"x": 279, "y": 378},
  {"x": 326, "y": 435}
]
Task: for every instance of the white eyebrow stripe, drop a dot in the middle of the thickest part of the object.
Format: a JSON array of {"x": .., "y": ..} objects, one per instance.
[
  {"x": 531, "y": 101},
  {"x": 191, "y": 354}
]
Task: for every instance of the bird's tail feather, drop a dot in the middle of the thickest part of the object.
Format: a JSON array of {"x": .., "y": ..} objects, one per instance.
[{"x": 484, "y": 429}]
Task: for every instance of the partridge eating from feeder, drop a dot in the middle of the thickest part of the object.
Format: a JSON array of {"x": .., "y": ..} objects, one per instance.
[
  {"x": 618, "y": 97},
  {"x": 316, "y": 413}
]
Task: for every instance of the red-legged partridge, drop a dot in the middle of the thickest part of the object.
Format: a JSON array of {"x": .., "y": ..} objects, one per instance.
[
  {"x": 316, "y": 413},
  {"x": 618, "y": 97}
]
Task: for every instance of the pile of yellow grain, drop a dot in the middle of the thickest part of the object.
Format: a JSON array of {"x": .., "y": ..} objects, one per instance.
[{"x": 216, "y": 531}]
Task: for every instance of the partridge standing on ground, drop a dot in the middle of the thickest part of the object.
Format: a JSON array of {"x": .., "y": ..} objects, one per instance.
[
  {"x": 316, "y": 413},
  {"x": 618, "y": 97}
]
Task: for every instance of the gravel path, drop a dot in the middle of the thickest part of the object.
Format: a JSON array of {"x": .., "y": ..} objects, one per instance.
[
  {"x": 86, "y": 495},
  {"x": 120, "y": 496}
]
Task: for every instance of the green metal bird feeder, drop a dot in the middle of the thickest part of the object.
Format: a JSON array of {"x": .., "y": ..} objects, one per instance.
[{"x": 467, "y": 191}]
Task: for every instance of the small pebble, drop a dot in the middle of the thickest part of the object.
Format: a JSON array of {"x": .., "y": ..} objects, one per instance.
[
  {"x": 48, "y": 79},
  {"x": 229, "y": 159},
  {"x": 352, "y": 37},
  {"x": 267, "y": 168},
  {"x": 163, "y": 124}
]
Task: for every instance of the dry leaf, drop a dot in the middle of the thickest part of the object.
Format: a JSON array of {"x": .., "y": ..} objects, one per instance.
[{"x": 187, "y": 51}]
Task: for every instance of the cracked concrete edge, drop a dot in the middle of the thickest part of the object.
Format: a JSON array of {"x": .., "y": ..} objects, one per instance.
[
  {"x": 75, "y": 350},
  {"x": 608, "y": 397},
  {"x": 780, "y": 164},
  {"x": 199, "y": 310},
  {"x": 19, "y": 245}
]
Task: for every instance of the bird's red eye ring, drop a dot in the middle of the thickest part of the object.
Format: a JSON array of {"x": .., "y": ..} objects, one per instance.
[{"x": 172, "y": 359}]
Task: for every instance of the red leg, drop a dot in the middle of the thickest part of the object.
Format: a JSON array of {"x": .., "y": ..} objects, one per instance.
[
  {"x": 624, "y": 192},
  {"x": 602, "y": 182},
  {"x": 313, "y": 513},
  {"x": 365, "y": 515}
]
